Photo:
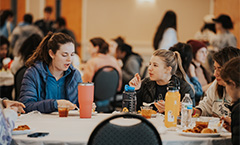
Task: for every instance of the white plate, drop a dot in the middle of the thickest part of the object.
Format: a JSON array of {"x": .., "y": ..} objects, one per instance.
[
  {"x": 198, "y": 134},
  {"x": 19, "y": 132}
]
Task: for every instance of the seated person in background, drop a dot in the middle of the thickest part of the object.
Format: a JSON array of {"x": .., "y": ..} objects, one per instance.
[
  {"x": 224, "y": 37},
  {"x": 60, "y": 26},
  {"x": 100, "y": 58},
  {"x": 216, "y": 100},
  {"x": 164, "y": 65},
  {"x": 185, "y": 51},
  {"x": 208, "y": 30},
  {"x": 113, "y": 44},
  {"x": 51, "y": 80},
  {"x": 22, "y": 32},
  {"x": 25, "y": 51},
  {"x": 230, "y": 74},
  {"x": 8, "y": 116},
  {"x": 132, "y": 62},
  {"x": 6, "y": 83},
  {"x": 46, "y": 23},
  {"x": 196, "y": 69}
]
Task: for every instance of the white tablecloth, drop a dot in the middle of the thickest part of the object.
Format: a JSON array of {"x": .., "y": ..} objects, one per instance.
[{"x": 74, "y": 130}]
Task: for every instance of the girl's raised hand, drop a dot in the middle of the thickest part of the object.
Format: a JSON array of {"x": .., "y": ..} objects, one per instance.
[{"x": 136, "y": 82}]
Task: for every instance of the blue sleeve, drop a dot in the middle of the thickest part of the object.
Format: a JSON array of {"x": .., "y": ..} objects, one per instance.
[
  {"x": 30, "y": 93},
  {"x": 197, "y": 87}
]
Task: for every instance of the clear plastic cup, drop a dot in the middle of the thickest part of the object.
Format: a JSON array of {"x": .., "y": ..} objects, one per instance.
[
  {"x": 63, "y": 111},
  {"x": 146, "y": 111}
]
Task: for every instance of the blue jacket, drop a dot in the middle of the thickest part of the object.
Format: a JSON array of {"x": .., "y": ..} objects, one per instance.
[{"x": 33, "y": 89}]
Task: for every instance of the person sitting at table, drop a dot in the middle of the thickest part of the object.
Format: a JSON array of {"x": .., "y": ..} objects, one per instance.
[
  {"x": 196, "y": 68},
  {"x": 230, "y": 75},
  {"x": 216, "y": 101},
  {"x": 132, "y": 62},
  {"x": 8, "y": 116},
  {"x": 99, "y": 51},
  {"x": 25, "y": 51},
  {"x": 185, "y": 51},
  {"x": 6, "y": 83},
  {"x": 164, "y": 65},
  {"x": 51, "y": 80}
]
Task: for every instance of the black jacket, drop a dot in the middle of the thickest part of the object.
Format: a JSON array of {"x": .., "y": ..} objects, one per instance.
[
  {"x": 148, "y": 90},
  {"x": 235, "y": 117}
]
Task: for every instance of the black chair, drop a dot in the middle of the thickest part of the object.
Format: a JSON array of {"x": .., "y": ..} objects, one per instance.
[
  {"x": 143, "y": 133},
  {"x": 18, "y": 77},
  {"x": 106, "y": 81}
]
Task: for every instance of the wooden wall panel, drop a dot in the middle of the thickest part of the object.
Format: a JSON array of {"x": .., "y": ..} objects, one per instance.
[
  {"x": 21, "y": 9},
  {"x": 232, "y": 8},
  {"x": 5, "y": 4},
  {"x": 72, "y": 12}
]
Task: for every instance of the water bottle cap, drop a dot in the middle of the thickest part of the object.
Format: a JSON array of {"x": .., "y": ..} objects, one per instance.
[
  {"x": 174, "y": 83},
  {"x": 129, "y": 88}
]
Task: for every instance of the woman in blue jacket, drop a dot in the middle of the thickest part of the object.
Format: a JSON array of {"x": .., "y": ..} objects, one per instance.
[{"x": 51, "y": 80}]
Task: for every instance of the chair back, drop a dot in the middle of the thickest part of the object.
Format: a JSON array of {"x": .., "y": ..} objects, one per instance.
[
  {"x": 143, "y": 133},
  {"x": 106, "y": 81},
  {"x": 18, "y": 77}
]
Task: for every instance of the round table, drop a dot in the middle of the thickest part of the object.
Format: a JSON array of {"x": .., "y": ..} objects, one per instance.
[{"x": 73, "y": 130}]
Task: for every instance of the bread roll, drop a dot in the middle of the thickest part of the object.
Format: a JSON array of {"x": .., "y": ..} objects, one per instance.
[{"x": 207, "y": 130}]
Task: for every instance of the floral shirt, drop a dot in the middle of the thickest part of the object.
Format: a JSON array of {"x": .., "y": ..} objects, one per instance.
[{"x": 7, "y": 123}]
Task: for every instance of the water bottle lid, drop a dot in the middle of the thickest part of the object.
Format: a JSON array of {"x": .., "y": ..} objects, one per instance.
[
  {"x": 129, "y": 88},
  {"x": 174, "y": 83}
]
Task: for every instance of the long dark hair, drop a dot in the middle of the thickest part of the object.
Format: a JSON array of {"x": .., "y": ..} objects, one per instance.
[
  {"x": 221, "y": 57},
  {"x": 123, "y": 47},
  {"x": 185, "y": 51},
  {"x": 4, "y": 16},
  {"x": 29, "y": 46},
  {"x": 169, "y": 21},
  {"x": 51, "y": 41},
  {"x": 102, "y": 44}
]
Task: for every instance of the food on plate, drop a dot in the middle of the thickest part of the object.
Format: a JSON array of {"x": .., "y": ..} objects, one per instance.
[
  {"x": 125, "y": 109},
  {"x": 151, "y": 112},
  {"x": 201, "y": 127},
  {"x": 21, "y": 127},
  {"x": 195, "y": 115},
  {"x": 208, "y": 130}
]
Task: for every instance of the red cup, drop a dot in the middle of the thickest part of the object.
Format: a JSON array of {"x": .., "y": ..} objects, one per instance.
[{"x": 85, "y": 99}]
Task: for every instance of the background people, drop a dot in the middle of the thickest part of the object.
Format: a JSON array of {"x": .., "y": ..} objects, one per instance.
[
  {"x": 185, "y": 51},
  {"x": 46, "y": 23},
  {"x": 132, "y": 62},
  {"x": 99, "y": 50},
  {"x": 22, "y": 32},
  {"x": 166, "y": 34},
  {"x": 224, "y": 37}
]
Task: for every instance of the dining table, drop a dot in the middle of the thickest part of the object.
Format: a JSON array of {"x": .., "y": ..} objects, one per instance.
[{"x": 73, "y": 130}]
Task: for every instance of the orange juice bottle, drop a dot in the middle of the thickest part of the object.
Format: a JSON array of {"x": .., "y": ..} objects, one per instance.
[{"x": 172, "y": 105}]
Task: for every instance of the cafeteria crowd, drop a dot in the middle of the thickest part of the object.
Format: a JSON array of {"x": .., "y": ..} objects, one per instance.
[{"x": 44, "y": 56}]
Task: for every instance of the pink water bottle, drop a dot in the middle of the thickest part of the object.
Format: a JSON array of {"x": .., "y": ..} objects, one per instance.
[{"x": 85, "y": 99}]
